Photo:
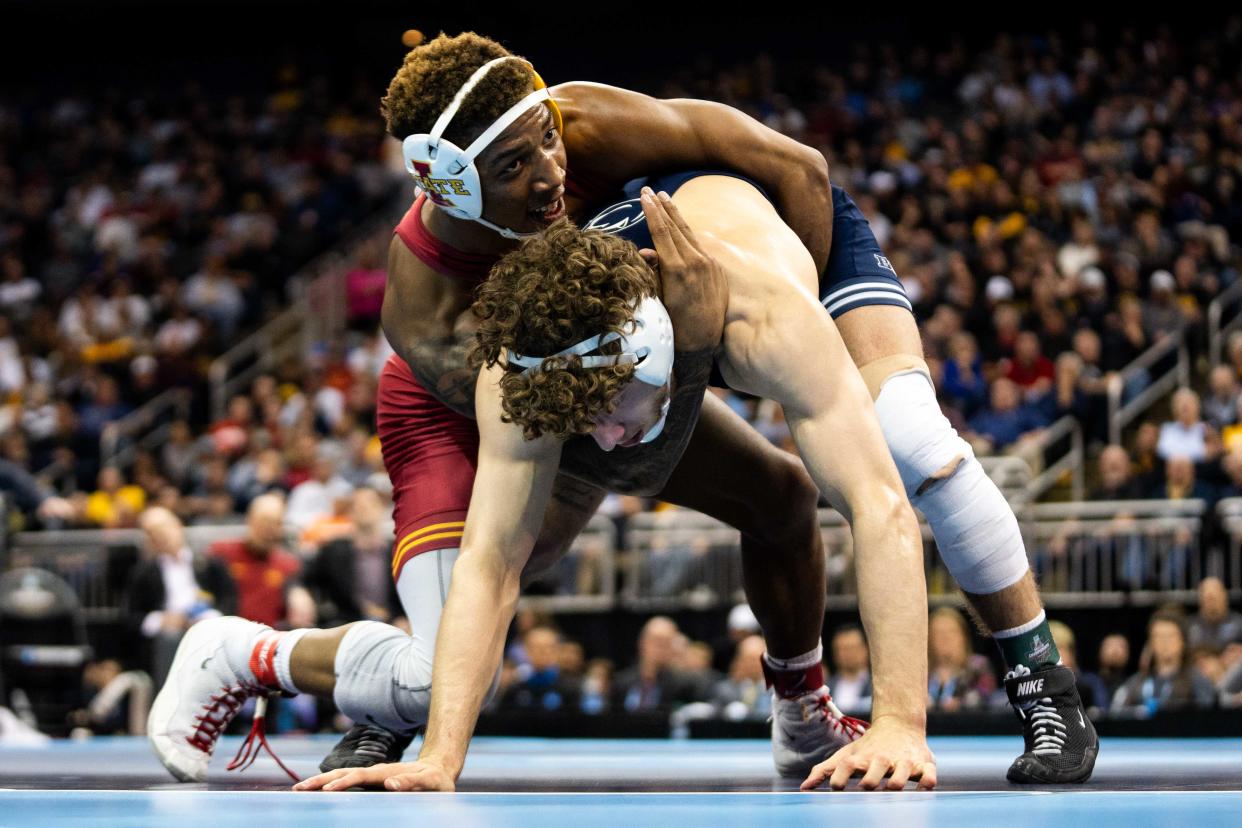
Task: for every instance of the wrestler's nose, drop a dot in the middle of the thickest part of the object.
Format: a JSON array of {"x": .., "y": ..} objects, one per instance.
[{"x": 608, "y": 435}]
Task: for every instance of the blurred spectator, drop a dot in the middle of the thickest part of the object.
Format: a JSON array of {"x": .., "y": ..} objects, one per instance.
[
  {"x": 1220, "y": 407},
  {"x": 1166, "y": 682},
  {"x": 541, "y": 686},
  {"x": 1116, "y": 482},
  {"x": 1214, "y": 626},
  {"x": 1180, "y": 482},
  {"x": 963, "y": 383},
  {"x": 171, "y": 589},
  {"x": 264, "y": 572},
  {"x": 1091, "y": 688},
  {"x": 115, "y": 502},
  {"x": 1007, "y": 419},
  {"x": 364, "y": 290},
  {"x": 24, "y": 492},
  {"x": 850, "y": 678},
  {"x": 652, "y": 683},
  {"x": 597, "y": 686},
  {"x": 744, "y": 694},
  {"x": 1029, "y": 369},
  {"x": 1162, "y": 314},
  {"x": 1114, "y": 662},
  {"x": 213, "y": 293},
  {"x": 316, "y": 497},
  {"x": 1186, "y": 434},
  {"x": 956, "y": 680},
  {"x": 114, "y": 702},
  {"x": 351, "y": 576}
]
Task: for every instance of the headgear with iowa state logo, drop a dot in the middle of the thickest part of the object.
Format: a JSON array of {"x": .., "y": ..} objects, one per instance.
[{"x": 446, "y": 173}]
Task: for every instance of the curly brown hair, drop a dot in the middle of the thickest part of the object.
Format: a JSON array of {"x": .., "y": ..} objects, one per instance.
[
  {"x": 557, "y": 289},
  {"x": 432, "y": 73}
]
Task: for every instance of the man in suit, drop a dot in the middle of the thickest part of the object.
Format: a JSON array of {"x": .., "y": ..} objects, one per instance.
[
  {"x": 172, "y": 589},
  {"x": 652, "y": 683},
  {"x": 350, "y": 576}
]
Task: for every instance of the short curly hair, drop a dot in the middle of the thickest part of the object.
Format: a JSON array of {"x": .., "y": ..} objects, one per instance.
[
  {"x": 432, "y": 73},
  {"x": 557, "y": 289}
]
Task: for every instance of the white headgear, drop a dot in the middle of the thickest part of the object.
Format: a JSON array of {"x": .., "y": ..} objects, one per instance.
[
  {"x": 648, "y": 346},
  {"x": 446, "y": 173}
]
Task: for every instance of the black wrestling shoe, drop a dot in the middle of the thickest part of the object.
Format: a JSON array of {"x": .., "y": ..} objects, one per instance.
[
  {"x": 366, "y": 745},
  {"x": 1061, "y": 743}
]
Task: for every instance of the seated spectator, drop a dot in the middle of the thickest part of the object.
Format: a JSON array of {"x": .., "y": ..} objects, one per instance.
[
  {"x": 1114, "y": 663},
  {"x": 1166, "y": 682},
  {"x": 264, "y": 572},
  {"x": 316, "y": 497},
  {"x": 597, "y": 686},
  {"x": 956, "y": 679},
  {"x": 541, "y": 686},
  {"x": 114, "y": 702},
  {"x": 1186, "y": 434},
  {"x": 962, "y": 380},
  {"x": 1161, "y": 314},
  {"x": 1220, "y": 406},
  {"x": 171, "y": 589},
  {"x": 744, "y": 693},
  {"x": 364, "y": 290},
  {"x": 115, "y": 502},
  {"x": 350, "y": 576},
  {"x": 1116, "y": 482},
  {"x": 1029, "y": 369},
  {"x": 213, "y": 294},
  {"x": 850, "y": 679},
  {"x": 652, "y": 683},
  {"x": 1091, "y": 688},
  {"x": 1006, "y": 419},
  {"x": 1180, "y": 483},
  {"x": 1214, "y": 626},
  {"x": 1231, "y": 435}
]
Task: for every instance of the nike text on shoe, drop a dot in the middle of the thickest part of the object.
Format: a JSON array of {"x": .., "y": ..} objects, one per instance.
[
  {"x": 364, "y": 745},
  {"x": 201, "y": 695},
  {"x": 1061, "y": 743}
]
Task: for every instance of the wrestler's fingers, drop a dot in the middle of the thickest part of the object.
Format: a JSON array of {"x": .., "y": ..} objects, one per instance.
[
  {"x": 357, "y": 777},
  {"x": 876, "y": 770},
  {"x": 901, "y": 775},
  {"x": 316, "y": 782},
  {"x": 927, "y": 777},
  {"x": 818, "y": 774},
  {"x": 650, "y": 257},
  {"x": 659, "y": 224},
  {"x": 841, "y": 776},
  {"x": 678, "y": 221}
]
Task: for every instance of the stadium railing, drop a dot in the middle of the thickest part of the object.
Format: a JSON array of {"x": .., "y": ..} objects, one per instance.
[
  {"x": 1065, "y": 432},
  {"x": 1229, "y": 570},
  {"x": 1168, "y": 356},
  {"x": 146, "y": 427},
  {"x": 1227, "y": 304}
]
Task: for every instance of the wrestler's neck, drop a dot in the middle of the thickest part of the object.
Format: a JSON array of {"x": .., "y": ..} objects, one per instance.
[{"x": 463, "y": 234}]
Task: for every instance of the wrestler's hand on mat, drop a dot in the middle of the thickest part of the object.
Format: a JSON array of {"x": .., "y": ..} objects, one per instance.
[
  {"x": 398, "y": 776},
  {"x": 694, "y": 288},
  {"x": 890, "y": 749}
]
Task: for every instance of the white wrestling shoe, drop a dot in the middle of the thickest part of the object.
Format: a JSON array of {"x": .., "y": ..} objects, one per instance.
[
  {"x": 808, "y": 729},
  {"x": 201, "y": 695}
]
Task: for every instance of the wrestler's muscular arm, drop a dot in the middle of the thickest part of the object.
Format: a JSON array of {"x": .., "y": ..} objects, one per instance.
[
  {"x": 420, "y": 319},
  {"x": 781, "y": 344},
  {"x": 613, "y": 135}
]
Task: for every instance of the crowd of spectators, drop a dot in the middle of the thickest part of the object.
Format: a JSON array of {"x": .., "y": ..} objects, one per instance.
[{"x": 1054, "y": 206}]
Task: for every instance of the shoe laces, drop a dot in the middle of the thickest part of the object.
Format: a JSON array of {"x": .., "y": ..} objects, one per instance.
[
  {"x": 217, "y": 712},
  {"x": 256, "y": 740},
  {"x": 1047, "y": 728},
  {"x": 848, "y": 726}
]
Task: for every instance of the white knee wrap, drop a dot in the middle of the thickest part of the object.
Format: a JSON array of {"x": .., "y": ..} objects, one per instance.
[
  {"x": 384, "y": 675},
  {"x": 975, "y": 530}
]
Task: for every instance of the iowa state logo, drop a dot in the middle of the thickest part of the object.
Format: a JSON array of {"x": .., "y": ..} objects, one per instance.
[
  {"x": 618, "y": 218},
  {"x": 437, "y": 188}
]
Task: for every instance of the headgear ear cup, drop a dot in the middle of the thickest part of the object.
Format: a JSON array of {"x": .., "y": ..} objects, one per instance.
[{"x": 447, "y": 173}]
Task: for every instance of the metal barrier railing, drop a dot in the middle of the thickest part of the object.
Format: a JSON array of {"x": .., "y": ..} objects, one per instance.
[
  {"x": 585, "y": 580},
  {"x": 147, "y": 426},
  {"x": 1012, "y": 475},
  {"x": 1071, "y": 462},
  {"x": 1120, "y": 412},
  {"x": 1229, "y": 300}
]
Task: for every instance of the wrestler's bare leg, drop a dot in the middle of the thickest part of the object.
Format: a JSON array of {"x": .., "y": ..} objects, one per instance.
[{"x": 733, "y": 474}]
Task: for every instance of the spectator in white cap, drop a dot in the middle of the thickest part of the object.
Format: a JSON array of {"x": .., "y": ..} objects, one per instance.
[
  {"x": 999, "y": 289},
  {"x": 1162, "y": 316}
]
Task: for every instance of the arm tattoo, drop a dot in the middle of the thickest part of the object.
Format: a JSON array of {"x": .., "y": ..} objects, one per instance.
[
  {"x": 644, "y": 470},
  {"x": 439, "y": 364}
]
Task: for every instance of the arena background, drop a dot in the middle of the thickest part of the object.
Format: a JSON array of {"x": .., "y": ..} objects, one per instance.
[{"x": 139, "y": 51}]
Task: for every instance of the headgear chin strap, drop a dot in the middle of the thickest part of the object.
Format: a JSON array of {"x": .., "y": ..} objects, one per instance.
[
  {"x": 447, "y": 173},
  {"x": 648, "y": 346}
]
